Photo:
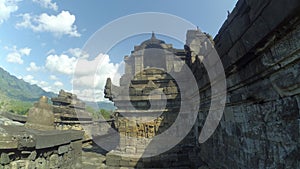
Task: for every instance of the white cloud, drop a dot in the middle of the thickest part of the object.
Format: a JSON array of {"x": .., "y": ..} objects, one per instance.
[
  {"x": 51, "y": 51},
  {"x": 61, "y": 64},
  {"x": 15, "y": 55},
  {"x": 61, "y": 24},
  {"x": 53, "y": 77},
  {"x": 30, "y": 79},
  {"x": 90, "y": 95},
  {"x": 77, "y": 52},
  {"x": 58, "y": 84},
  {"x": 43, "y": 83},
  {"x": 33, "y": 67},
  {"x": 47, "y": 4},
  {"x": 26, "y": 23},
  {"x": 6, "y": 8},
  {"x": 93, "y": 73},
  {"x": 91, "y": 76},
  {"x": 54, "y": 87},
  {"x": 25, "y": 51}
]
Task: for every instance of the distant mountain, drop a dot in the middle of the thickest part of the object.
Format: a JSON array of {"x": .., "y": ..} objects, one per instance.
[
  {"x": 101, "y": 105},
  {"x": 18, "y": 89}
]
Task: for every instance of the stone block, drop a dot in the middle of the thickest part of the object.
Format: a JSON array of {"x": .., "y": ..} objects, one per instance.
[
  {"x": 255, "y": 33},
  {"x": 4, "y": 158},
  {"x": 53, "y": 161},
  {"x": 133, "y": 163},
  {"x": 278, "y": 11},
  {"x": 234, "y": 98},
  {"x": 228, "y": 113},
  {"x": 32, "y": 155},
  {"x": 288, "y": 86},
  {"x": 63, "y": 149},
  {"x": 238, "y": 26},
  {"x": 125, "y": 163},
  {"x": 256, "y": 7},
  {"x": 224, "y": 44},
  {"x": 130, "y": 150},
  {"x": 112, "y": 162},
  {"x": 237, "y": 51},
  {"x": 226, "y": 61}
]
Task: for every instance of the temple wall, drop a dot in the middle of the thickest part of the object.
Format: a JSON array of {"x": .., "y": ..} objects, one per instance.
[{"x": 259, "y": 46}]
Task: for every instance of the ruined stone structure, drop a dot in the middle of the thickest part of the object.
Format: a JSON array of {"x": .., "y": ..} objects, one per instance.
[
  {"x": 38, "y": 144},
  {"x": 70, "y": 113},
  {"x": 67, "y": 112},
  {"x": 66, "y": 106}
]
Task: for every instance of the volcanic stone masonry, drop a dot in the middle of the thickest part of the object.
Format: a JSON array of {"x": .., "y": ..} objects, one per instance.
[
  {"x": 70, "y": 114},
  {"x": 38, "y": 144},
  {"x": 259, "y": 46},
  {"x": 149, "y": 84}
]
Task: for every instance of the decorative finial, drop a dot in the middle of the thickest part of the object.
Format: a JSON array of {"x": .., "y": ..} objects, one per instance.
[
  {"x": 153, "y": 35},
  {"x": 228, "y": 13}
]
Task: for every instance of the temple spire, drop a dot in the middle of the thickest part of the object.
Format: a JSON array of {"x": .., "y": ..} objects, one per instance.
[{"x": 153, "y": 35}]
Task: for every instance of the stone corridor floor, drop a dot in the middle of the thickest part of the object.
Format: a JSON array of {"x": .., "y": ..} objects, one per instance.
[{"x": 93, "y": 157}]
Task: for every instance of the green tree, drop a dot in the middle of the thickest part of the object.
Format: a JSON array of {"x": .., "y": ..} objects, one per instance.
[
  {"x": 106, "y": 114},
  {"x": 96, "y": 114},
  {"x": 19, "y": 107}
]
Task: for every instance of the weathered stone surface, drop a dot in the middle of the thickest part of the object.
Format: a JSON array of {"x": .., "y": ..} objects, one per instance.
[
  {"x": 27, "y": 148},
  {"x": 256, "y": 32},
  {"x": 260, "y": 127},
  {"x": 4, "y": 158},
  {"x": 279, "y": 11},
  {"x": 40, "y": 116},
  {"x": 32, "y": 155},
  {"x": 63, "y": 149},
  {"x": 225, "y": 43},
  {"x": 256, "y": 7},
  {"x": 149, "y": 87},
  {"x": 70, "y": 114},
  {"x": 7, "y": 122},
  {"x": 238, "y": 26},
  {"x": 235, "y": 54}
]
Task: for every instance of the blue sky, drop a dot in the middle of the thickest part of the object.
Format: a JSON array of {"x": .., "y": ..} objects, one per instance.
[{"x": 41, "y": 40}]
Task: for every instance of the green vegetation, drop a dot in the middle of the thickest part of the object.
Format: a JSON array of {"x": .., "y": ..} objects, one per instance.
[
  {"x": 19, "y": 107},
  {"x": 90, "y": 109},
  {"x": 97, "y": 114},
  {"x": 15, "y": 106},
  {"x": 106, "y": 114}
]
